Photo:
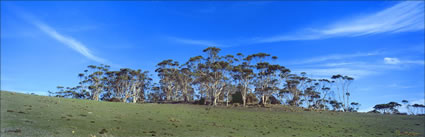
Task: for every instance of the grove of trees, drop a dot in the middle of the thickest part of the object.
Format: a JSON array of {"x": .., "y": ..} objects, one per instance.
[
  {"x": 215, "y": 79},
  {"x": 393, "y": 108}
]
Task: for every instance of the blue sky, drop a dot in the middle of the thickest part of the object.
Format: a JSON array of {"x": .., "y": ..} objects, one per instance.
[{"x": 380, "y": 44}]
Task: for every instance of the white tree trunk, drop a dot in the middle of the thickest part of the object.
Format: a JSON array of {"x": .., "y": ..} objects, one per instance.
[{"x": 134, "y": 99}]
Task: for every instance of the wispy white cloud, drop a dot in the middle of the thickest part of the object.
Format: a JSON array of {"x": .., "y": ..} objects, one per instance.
[
  {"x": 345, "y": 64},
  {"x": 395, "y": 61},
  {"x": 388, "y": 60},
  {"x": 395, "y": 85},
  {"x": 357, "y": 65},
  {"x": 356, "y": 69},
  {"x": 68, "y": 41},
  {"x": 420, "y": 62},
  {"x": 338, "y": 64},
  {"x": 374, "y": 65},
  {"x": 403, "y": 17},
  {"x": 328, "y": 72},
  {"x": 53, "y": 33},
  {"x": 196, "y": 42},
  {"x": 336, "y": 57}
]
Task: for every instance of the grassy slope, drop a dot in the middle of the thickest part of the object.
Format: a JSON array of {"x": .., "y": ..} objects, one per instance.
[{"x": 48, "y": 116}]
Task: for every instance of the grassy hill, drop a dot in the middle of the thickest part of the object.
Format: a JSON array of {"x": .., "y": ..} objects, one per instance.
[{"x": 30, "y": 115}]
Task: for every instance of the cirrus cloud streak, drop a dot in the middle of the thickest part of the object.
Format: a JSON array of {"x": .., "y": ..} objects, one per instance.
[{"x": 403, "y": 17}]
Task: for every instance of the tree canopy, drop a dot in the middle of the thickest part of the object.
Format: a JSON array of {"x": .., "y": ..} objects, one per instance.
[{"x": 215, "y": 79}]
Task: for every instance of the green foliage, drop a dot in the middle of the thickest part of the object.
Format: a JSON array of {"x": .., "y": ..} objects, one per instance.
[
  {"x": 215, "y": 78},
  {"x": 237, "y": 98},
  {"x": 391, "y": 107}
]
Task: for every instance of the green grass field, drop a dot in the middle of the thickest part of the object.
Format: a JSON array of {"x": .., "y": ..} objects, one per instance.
[{"x": 30, "y": 115}]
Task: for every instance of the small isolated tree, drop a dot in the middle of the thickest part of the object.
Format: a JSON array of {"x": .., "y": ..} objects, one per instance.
[
  {"x": 335, "y": 105},
  {"x": 405, "y": 102},
  {"x": 354, "y": 107},
  {"x": 389, "y": 108},
  {"x": 383, "y": 108},
  {"x": 418, "y": 109},
  {"x": 394, "y": 107}
]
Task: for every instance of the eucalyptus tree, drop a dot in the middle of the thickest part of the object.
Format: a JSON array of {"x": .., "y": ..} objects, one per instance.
[
  {"x": 418, "y": 109},
  {"x": 335, "y": 105},
  {"x": 243, "y": 74},
  {"x": 82, "y": 86},
  {"x": 133, "y": 85},
  {"x": 60, "y": 88},
  {"x": 342, "y": 84},
  {"x": 215, "y": 78},
  {"x": 267, "y": 77},
  {"x": 104, "y": 80},
  {"x": 383, "y": 108},
  {"x": 391, "y": 107},
  {"x": 206, "y": 75},
  {"x": 394, "y": 106},
  {"x": 139, "y": 82},
  {"x": 229, "y": 90},
  {"x": 201, "y": 79},
  {"x": 60, "y": 91},
  {"x": 219, "y": 79},
  {"x": 311, "y": 97},
  {"x": 262, "y": 80},
  {"x": 167, "y": 71},
  {"x": 315, "y": 92},
  {"x": 216, "y": 73},
  {"x": 123, "y": 79},
  {"x": 73, "y": 92},
  {"x": 354, "y": 106},
  {"x": 230, "y": 87},
  {"x": 308, "y": 89},
  {"x": 111, "y": 82},
  {"x": 116, "y": 85},
  {"x": 323, "y": 87},
  {"x": 95, "y": 82},
  {"x": 66, "y": 92},
  {"x": 184, "y": 80},
  {"x": 275, "y": 74},
  {"x": 85, "y": 85},
  {"x": 305, "y": 87},
  {"x": 291, "y": 89},
  {"x": 155, "y": 94}
]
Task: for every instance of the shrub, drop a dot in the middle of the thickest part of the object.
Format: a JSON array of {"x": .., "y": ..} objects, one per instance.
[
  {"x": 237, "y": 98},
  {"x": 251, "y": 98},
  {"x": 114, "y": 100}
]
